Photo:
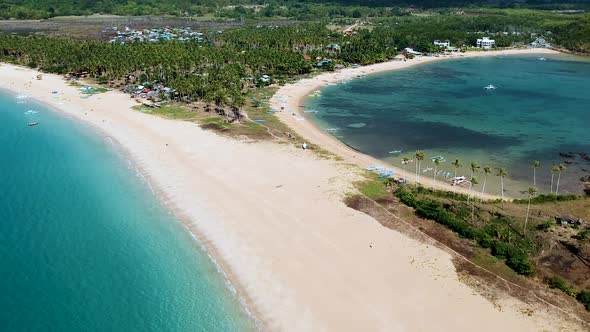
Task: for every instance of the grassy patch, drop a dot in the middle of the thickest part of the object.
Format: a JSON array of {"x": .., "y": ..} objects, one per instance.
[
  {"x": 373, "y": 187},
  {"x": 170, "y": 111}
]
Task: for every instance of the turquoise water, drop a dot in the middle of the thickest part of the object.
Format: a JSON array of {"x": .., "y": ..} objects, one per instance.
[
  {"x": 86, "y": 246},
  {"x": 540, "y": 108}
]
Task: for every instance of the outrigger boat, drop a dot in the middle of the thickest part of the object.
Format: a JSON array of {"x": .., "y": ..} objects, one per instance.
[
  {"x": 32, "y": 124},
  {"x": 490, "y": 87},
  {"x": 458, "y": 180}
]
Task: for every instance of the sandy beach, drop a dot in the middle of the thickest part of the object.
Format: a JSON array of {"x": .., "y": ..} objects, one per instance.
[
  {"x": 274, "y": 219},
  {"x": 291, "y": 98}
]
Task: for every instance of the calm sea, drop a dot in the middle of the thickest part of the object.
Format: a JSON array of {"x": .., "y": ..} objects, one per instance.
[
  {"x": 86, "y": 246},
  {"x": 538, "y": 109}
]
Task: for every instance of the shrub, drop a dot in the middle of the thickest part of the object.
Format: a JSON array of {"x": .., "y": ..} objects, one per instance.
[
  {"x": 406, "y": 197},
  {"x": 562, "y": 285},
  {"x": 548, "y": 198},
  {"x": 518, "y": 260},
  {"x": 584, "y": 298}
]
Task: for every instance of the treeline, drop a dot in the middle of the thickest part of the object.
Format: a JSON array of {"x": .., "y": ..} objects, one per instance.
[
  {"x": 39, "y": 9},
  {"x": 220, "y": 70}
]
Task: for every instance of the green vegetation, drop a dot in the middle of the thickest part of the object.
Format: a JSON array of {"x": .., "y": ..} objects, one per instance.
[
  {"x": 513, "y": 249},
  {"x": 374, "y": 188},
  {"x": 584, "y": 298},
  {"x": 252, "y": 9},
  {"x": 546, "y": 198},
  {"x": 562, "y": 285}
]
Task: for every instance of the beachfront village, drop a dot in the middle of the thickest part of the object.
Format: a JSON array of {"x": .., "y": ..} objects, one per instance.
[{"x": 325, "y": 58}]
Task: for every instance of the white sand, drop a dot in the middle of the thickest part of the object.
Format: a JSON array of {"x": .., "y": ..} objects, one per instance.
[
  {"x": 273, "y": 217},
  {"x": 292, "y": 97}
]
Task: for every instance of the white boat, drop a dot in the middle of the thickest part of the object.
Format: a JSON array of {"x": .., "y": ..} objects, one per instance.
[
  {"x": 458, "y": 180},
  {"x": 542, "y": 59},
  {"x": 395, "y": 152},
  {"x": 490, "y": 87},
  {"x": 439, "y": 158}
]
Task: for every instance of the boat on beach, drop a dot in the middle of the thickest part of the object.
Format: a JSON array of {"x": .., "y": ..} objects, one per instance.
[{"x": 458, "y": 180}]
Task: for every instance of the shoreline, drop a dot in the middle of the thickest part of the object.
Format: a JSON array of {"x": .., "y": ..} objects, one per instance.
[
  {"x": 294, "y": 95},
  {"x": 299, "y": 269},
  {"x": 207, "y": 248}
]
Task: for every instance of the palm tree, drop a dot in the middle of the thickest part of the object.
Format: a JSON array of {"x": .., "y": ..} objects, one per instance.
[
  {"x": 487, "y": 170},
  {"x": 474, "y": 169},
  {"x": 436, "y": 163},
  {"x": 554, "y": 169},
  {"x": 419, "y": 157},
  {"x": 473, "y": 181},
  {"x": 536, "y": 164},
  {"x": 405, "y": 160},
  {"x": 532, "y": 191},
  {"x": 457, "y": 164},
  {"x": 502, "y": 173},
  {"x": 561, "y": 168}
]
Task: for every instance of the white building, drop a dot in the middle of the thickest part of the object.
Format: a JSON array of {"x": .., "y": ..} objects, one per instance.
[
  {"x": 486, "y": 43},
  {"x": 411, "y": 51},
  {"x": 440, "y": 43}
]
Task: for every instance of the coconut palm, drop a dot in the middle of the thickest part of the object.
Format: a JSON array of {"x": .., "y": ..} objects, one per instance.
[
  {"x": 474, "y": 169},
  {"x": 502, "y": 173},
  {"x": 561, "y": 168},
  {"x": 554, "y": 169},
  {"x": 532, "y": 191},
  {"x": 419, "y": 157},
  {"x": 457, "y": 164},
  {"x": 473, "y": 182},
  {"x": 436, "y": 163},
  {"x": 405, "y": 160},
  {"x": 536, "y": 164},
  {"x": 487, "y": 170}
]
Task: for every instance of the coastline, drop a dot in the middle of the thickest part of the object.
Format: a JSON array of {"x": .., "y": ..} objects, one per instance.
[
  {"x": 292, "y": 98},
  {"x": 297, "y": 268}
]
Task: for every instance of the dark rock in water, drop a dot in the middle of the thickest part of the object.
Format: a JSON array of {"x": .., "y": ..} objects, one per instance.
[
  {"x": 568, "y": 162},
  {"x": 585, "y": 179},
  {"x": 584, "y": 156},
  {"x": 567, "y": 154},
  {"x": 584, "y": 170}
]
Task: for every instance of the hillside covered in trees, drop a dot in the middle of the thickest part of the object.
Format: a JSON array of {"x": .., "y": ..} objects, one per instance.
[{"x": 39, "y": 9}]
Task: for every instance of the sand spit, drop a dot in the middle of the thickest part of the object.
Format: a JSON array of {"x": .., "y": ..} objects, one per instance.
[{"x": 273, "y": 217}]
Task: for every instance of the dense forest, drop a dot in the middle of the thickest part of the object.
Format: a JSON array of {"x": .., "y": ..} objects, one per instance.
[
  {"x": 302, "y": 9},
  {"x": 226, "y": 64}
]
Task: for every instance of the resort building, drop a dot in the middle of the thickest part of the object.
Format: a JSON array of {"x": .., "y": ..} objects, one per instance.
[
  {"x": 486, "y": 43},
  {"x": 540, "y": 42},
  {"x": 442, "y": 44},
  {"x": 411, "y": 51}
]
